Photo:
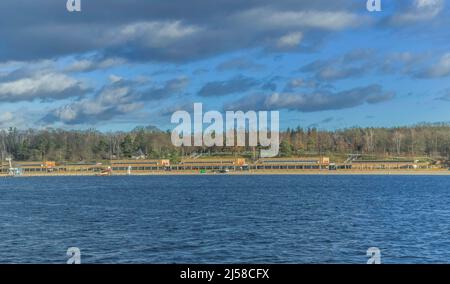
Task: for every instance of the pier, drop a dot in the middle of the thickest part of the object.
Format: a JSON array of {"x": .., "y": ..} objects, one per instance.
[{"x": 204, "y": 165}]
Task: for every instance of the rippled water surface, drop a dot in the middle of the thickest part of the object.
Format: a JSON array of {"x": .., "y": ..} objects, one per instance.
[{"x": 225, "y": 219}]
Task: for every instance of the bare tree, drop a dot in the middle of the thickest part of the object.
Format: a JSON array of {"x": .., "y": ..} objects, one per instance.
[{"x": 398, "y": 136}]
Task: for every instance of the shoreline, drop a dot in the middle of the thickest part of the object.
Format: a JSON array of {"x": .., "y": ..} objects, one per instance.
[{"x": 434, "y": 172}]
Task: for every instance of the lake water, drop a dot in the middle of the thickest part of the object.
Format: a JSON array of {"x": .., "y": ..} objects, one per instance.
[{"x": 225, "y": 219}]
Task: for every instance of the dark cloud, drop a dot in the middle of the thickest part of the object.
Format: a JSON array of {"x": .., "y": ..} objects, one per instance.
[
  {"x": 355, "y": 63},
  {"x": 360, "y": 62},
  {"x": 312, "y": 102},
  {"x": 238, "y": 84},
  {"x": 115, "y": 99},
  {"x": 270, "y": 84},
  {"x": 445, "y": 98},
  {"x": 118, "y": 98},
  {"x": 424, "y": 65},
  {"x": 169, "y": 110},
  {"x": 167, "y": 34},
  {"x": 165, "y": 30},
  {"x": 330, "y": 73},
  {"x": 170, "y": 87},
  {"x": 327, "y": 120},
  {"x": 318, "y": 124}
]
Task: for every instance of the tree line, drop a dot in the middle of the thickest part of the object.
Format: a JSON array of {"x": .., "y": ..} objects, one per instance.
[{"x": 423, "y": 140}]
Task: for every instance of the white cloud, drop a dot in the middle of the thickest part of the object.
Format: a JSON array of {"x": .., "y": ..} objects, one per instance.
[
  {"x": 268, "y": 19},
  {"x": 433, "y": 5},
  {"x": 42, "y": 86},
  {"x": 440, "y": 69},
  {"x": 295, "y": 83},
  {"x": 154, "y": 34},
  {"x": 421, "y": 10},
  {"x": 300, "y": 83},
  {"x": 290, "y": 40},
  {"x": 114, "y": 78},
  {"x": 18, "y": 117},
  {"x": 92, "y": 64},
  {"x": 6, "y": 117}
]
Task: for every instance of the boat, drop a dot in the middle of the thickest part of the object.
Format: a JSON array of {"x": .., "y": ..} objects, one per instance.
[{"x": 105, "y": 172}]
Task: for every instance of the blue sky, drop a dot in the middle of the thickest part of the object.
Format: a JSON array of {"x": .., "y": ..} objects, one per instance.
[{"x": 120, "y": 64}]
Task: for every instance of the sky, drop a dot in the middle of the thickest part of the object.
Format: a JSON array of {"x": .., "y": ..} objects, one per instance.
[{"x": 120, "y": 64}]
